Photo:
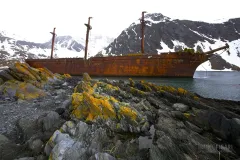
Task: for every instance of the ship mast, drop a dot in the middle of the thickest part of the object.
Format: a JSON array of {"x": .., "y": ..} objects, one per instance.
[
  {"x": 87, "y": 36},
  {"x": 53, "y": 39},
  {"x": 142, "y": 30}
]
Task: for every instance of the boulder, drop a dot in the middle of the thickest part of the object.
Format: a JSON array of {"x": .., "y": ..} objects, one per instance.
[
  {"x": 21, "y": 90},
  {"x": 193, "y": 127},
  {"x": 28, "y": 127},
  {"x": 26, "y": 158},
  {"x": 3, "y": 139},
  {"x": 102, "y": 156},
  {"x": 36, "y": 145},
  {"x": 9, "y": 150},
  {"x": 86, "y": 77},
  {"x": 180, "y": 107},
  {"x": 51, "y": 121}
]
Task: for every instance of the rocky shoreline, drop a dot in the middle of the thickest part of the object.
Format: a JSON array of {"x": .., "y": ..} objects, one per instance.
[{"x": 51, "y": 116}]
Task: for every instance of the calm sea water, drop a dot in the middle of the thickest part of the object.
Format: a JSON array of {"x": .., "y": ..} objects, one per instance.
[{"x": 219, "y": 85}]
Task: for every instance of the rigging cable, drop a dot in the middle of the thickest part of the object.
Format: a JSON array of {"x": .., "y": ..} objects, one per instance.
[{"x": 215, "y": 55}]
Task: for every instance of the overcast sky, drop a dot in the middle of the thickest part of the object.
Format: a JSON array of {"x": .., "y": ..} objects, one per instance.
[{"x": 34, "y": 19}]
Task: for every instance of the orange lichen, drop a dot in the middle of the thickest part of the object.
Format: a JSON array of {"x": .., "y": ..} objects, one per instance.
[
  {"x": 136, "y": 91},
  {"x": 196, "y": 98},
  {"x": 67, "y": 76},
  {"x": 45, "y": 73},
  {"x": 23, "y": 69},
  {"x": 128, "y": 112},
  {"x": 88, "y": 107},
  {"x": 77, "y": 98},
  {"x": 106, "y": 86},
  {"x": 187, "y": 115},
  {"x": 169, "y": 89},
  {"x": 84, "y": 86},
  {"x": 182, "y": 91},
  {"x": 132, "y": 83},
  {"x": 145, "y": 85},
  {"x": 21, "y": 90},
  {"x": 86, "y": 77}
]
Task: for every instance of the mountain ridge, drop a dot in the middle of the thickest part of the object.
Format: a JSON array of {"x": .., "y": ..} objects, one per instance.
[{"x": 163, "y": 34}]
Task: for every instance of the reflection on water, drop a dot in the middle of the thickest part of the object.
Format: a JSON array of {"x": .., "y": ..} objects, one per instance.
[{"x": 220, "y": 85}]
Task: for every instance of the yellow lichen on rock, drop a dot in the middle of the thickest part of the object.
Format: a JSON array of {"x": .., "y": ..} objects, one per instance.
[
  {"x": 86, "y": 77},
  {"x": 196, "y": 98},
  {"x": 106, "y": 86},
  {"x": 187, "y": 115},
  {"x": 152, "y": 86},
  {"x": 88, "y": 107},
  {"x": 22, "y": 68},
  {"x": 145, "y": 85},
  {"x": 169, "y": 89},
  {"x": 128, "y": 112},
  {"x": 77, "y": 98},
  {"x": 21, "y": 90},
  {"x": 67, "y": 76},
  {"x": 45, "y": 73},
  {"x": 132, "y": 83},
  {"x": 182, "y": 91},
  {"x": 136, "y": 91},
  {"x": 84, "y": 87}
]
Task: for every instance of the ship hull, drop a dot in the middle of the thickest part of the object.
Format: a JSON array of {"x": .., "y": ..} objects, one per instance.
[{"x": 163, "y": 65}]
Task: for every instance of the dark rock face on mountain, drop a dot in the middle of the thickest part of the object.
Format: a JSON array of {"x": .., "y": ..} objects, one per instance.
[
  {"x": 161, "y": 31},
  {"x": 218, "y": 63}
]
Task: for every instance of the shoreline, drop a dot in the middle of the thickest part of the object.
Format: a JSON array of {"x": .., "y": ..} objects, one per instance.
[{"x": 81, "y": 117}]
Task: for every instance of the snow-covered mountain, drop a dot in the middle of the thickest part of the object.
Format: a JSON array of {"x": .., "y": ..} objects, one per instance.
[
  {"x": 163, "y": 34},
  {"x": 13, "y": 48},
  {"x": 96, "y": 43}
]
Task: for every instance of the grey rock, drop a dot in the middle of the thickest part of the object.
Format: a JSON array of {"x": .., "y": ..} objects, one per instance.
[
  {"x": 102, "y": 156},
  {"x": 1, "y": 81},
  {"x": 60, "y": 91},
  {"x": 26, "y": 158},
  {"x": 165, "y": 150},
  {"x": 157, "y": 103},
  {"x": 235, "y": 128},
  {"x": 82, "y": 131},
  {"x": 60, "y": 111},
  {"x": 41, "y": 157},
  {"x": 51, "y": 121},
  {"x": 238, "y": 142},
  {"x": 180, "y": 107},
  {"x": 10, "y": 150},
  {"x": 28, "y": 127},
  {"x": 36, "y": 145},
  {"x": 69, "y": 127},
  {"x": 66, "y": 103},
  {"x": 201, "y": 119},
  {"x": 3, "y": 139},
  {"x": 178, "y": 115},
  {"x": 76, "y": 151},
  {"x": 150, "y": 116},
  {"x": 62, "y": 141},
  {"x": 145, "y": 127},
  {"x": 193, "y": 127}
]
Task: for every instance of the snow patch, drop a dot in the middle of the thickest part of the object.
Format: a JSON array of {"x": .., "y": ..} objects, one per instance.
[{"x": 165, "y": 48}]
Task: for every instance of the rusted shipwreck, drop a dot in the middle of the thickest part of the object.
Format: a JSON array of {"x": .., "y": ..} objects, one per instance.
[{"x": 174, "y": 64}]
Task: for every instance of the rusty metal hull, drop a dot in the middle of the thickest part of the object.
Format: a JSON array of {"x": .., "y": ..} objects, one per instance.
[{"x": 163, "y": 65}]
